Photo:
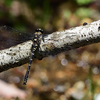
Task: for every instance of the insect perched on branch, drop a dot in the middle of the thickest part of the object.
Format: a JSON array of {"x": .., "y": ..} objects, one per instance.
[
  {"x": 13, "y": 38},
  {"x": 56, "y": 42}
]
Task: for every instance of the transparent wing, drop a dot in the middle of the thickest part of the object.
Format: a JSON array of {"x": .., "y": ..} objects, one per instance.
[{"x": 10, "y": 37}]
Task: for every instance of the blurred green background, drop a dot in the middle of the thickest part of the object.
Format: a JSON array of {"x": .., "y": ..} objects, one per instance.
[{"x": 73, "y": 75}]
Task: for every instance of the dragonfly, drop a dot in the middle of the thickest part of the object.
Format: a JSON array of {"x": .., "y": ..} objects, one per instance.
[{"x": 11, "y": 36}]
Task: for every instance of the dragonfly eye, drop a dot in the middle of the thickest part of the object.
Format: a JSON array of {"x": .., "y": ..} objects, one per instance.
[{"x": 39, "y": 30}]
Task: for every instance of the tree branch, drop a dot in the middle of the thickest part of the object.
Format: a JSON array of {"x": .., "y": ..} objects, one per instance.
[{"x": 51, "y": 44}]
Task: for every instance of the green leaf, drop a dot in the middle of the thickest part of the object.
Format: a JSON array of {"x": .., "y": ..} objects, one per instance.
[
  {"x": 8, "y": 2},
  {"x": 83, "y": 12},
  {"x": 83, "y": 2}
]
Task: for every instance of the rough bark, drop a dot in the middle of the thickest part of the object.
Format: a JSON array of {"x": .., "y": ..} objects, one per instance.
[{"x": 51, "y": 44}]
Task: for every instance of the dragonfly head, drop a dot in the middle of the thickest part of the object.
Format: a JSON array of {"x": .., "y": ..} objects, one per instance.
[{"x": 39, "y": 30}]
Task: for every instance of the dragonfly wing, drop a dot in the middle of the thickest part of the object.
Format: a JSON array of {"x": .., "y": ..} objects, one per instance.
[{"x": 10, "y": 37}]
